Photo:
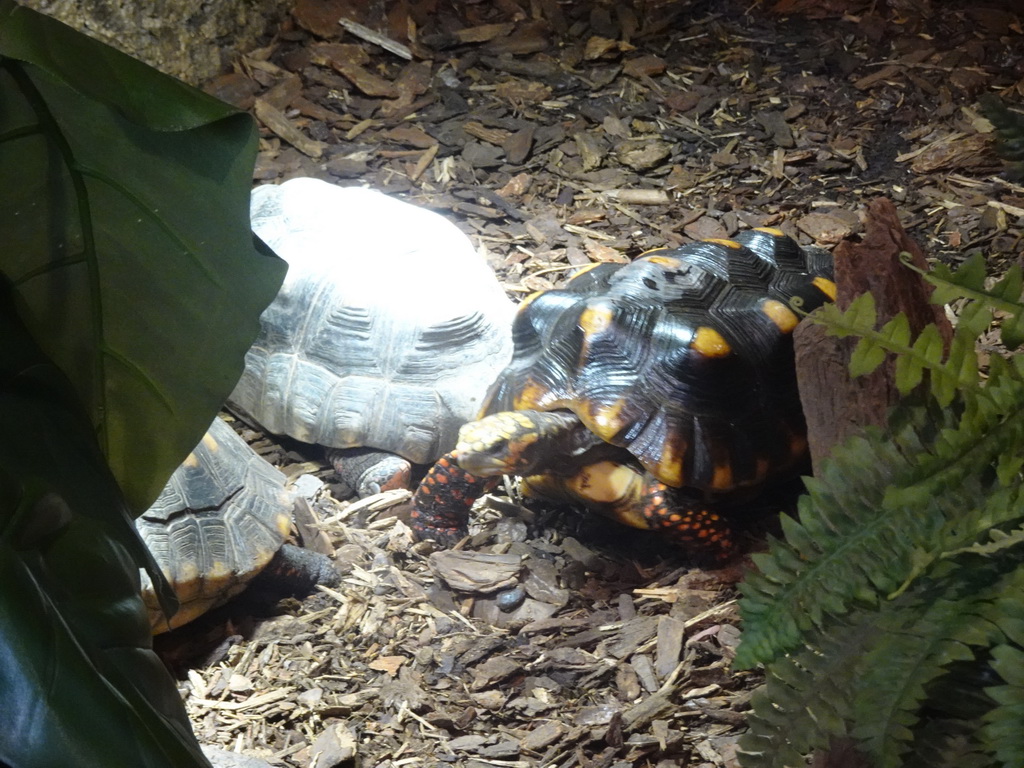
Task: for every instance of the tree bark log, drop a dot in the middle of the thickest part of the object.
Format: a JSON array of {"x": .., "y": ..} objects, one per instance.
[{"x": 836, "y": 406}]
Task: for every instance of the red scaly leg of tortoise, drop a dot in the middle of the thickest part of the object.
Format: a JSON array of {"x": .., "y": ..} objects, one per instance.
[
  {"x": 701, "y": 531},
  {"x": 441, "y": 504}
]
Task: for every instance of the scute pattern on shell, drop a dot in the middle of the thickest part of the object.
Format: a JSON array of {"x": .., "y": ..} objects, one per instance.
[
  {"x": 680, "y": 357},
  {"x": 220, "y": 519},
  {"x": 387, "y": 331}
]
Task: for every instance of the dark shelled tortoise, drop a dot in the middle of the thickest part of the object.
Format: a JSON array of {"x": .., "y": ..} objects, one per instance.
[
  {"x": 647, "y": 392},
  {"x": 384, "y": 337},
  {"x": 220, "y": 521}
]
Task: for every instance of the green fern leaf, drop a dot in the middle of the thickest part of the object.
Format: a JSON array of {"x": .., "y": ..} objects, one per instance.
[
  {"x": 881, "y": 511},
  {"x": 958, "y": 371},
  {"x": 950, "y": 285},
  {"x": 1008, "y": 468},
  {"x": 860, "y": 314},
  {"x": 1002, "y": 730},
  {"x": 866, "y": 357},
  {"x": 1009, "y": 287},
  {"x": 949, "y": 743},
  {"x": 969, "y": 282},
  {"x": 849, "y": 552},
  {"x": 1011, "y": 331},
  {"x": 975, "y": 530},
  {"x": 874, "y": 673},
  {"x": 877, "y": 613},
  {"x": 927, "y": 352},
  {"x": 973, "y": 319},
  {"x": 920, "y": 640},
  {"x": 803, "y": 703}
]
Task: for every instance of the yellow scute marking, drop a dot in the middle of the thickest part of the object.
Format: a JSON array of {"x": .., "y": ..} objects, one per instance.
[
  {"x": 581, "y": 271},
  {"x": 607, "y": 422},
  {"x": 595, "y": 319},
  {"x": 771, "y": 231},
  {"x": 209, "y": 441},
  {"x": 283, "y": 522},
  {"x": 528, "y": 300},
  {"x": 710, "y": 343},
  {"x": 191, "y": 461},
  {"x": 723, "y": 241},
  {"x": 721, "y": 478},
  {"x": 530, "y": 396},
  {"x": 783, "y": 317},
  {"x": 663, "y": 261},
  {"x": 826, "y": 286},
  {"x": 668, "y": 467}
]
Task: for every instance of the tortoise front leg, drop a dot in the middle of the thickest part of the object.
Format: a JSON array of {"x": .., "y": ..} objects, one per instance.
[
  {"x": 441, "y": 504},
  {"x": 690, "y": 522}
]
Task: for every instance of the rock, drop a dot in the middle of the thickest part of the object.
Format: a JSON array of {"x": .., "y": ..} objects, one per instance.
[
  {"x": 166, "y": 34},
  {"x": 476, "y": 571},
  {"x": 334, "y": 747},
  {"x": 223, "y": 758}
]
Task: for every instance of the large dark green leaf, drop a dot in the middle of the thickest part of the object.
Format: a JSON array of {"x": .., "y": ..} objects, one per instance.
[
  {"x": 80, "y": 683},
  {"x": 130, "y": 288},
  {"x": 124, "y": 230}
]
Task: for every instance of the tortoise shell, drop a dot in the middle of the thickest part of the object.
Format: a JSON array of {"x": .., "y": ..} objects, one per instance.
[
  {"x": 387, "y": 331},
  {"x": 220, "y": 519},
  {"x": 682, "y": 357}
]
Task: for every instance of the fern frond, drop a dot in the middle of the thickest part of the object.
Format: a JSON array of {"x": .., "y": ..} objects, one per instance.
[
  {"x": 990, "y": 426},
  {"x": 1004, "y": 726},
  {"x": 947, "y": 743},
  {"x": 924, "y": 633},
  {"x": 880, "y": 513},
  {"x": 874, "y": 673},
  {"x": 978, "y": 531},
  {"x": 968, "y": 282},
  {"x": 893, "y": 611},
  {"x": 804, "y": 701},
  {"x": 948, "y": 373}
]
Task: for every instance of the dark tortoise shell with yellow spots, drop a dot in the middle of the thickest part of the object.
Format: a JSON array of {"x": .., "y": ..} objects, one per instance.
[{"x": 674, "y": 371}]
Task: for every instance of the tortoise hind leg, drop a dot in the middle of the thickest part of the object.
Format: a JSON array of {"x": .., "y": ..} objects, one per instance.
[
  {"x": 366, "y": 471},
  {"x": 441, "y": 504},
  {"x": 293, "y": 572}
]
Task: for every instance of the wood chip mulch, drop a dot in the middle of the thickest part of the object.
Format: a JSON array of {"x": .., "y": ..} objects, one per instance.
[{"x": 557, "y": 134}]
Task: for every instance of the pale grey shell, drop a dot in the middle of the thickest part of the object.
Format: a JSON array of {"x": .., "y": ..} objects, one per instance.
[
  {"x": 221, "y": 517},
  {"x": 388, "y": 330}
]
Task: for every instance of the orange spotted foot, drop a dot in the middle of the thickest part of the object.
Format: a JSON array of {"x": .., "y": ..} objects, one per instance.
[
  {"x": 441, "y": 504},
  {"x": 702, "y": 532}
]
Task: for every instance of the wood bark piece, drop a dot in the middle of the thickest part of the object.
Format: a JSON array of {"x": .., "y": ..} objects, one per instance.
[
  {"x": 639, "y": 196},
  {"x": 320, "y": 16},
  {"x": 282, "y": 127},
  {"x": 370, "y": 36},
  {"x": 836, "y": 406}
]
